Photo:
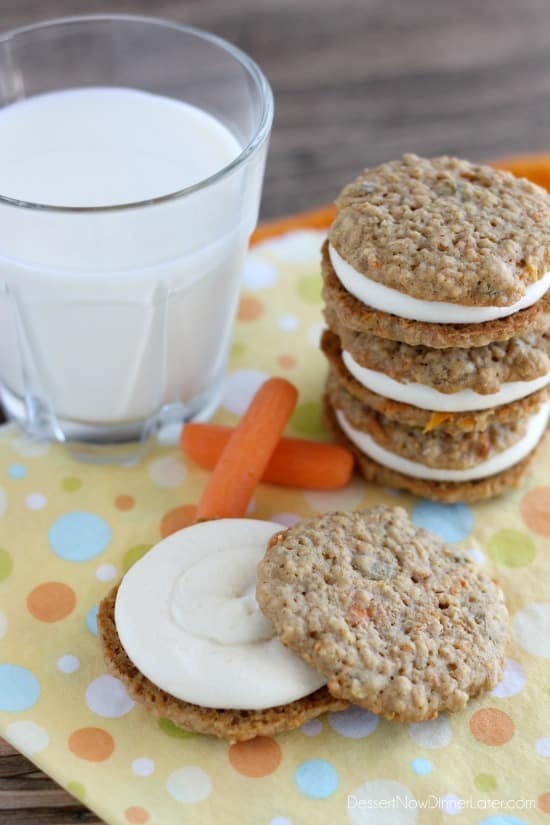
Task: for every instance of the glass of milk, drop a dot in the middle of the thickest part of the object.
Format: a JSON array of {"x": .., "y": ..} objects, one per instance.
[{"x": 132, "y": 153}]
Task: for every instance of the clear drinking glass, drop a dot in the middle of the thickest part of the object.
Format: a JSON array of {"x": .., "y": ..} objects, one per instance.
[{"x": 116, "y": 318}]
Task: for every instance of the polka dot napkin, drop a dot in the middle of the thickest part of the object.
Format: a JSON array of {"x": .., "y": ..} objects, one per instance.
[{"x": 69, "y": 530}]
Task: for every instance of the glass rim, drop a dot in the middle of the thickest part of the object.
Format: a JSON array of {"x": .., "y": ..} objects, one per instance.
[{"x": 260, "y": 135}]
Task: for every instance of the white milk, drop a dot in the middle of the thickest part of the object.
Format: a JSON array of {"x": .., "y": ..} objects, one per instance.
[
  {"x": 106, "y": 316},
  {"x": 100, "y": 147}
]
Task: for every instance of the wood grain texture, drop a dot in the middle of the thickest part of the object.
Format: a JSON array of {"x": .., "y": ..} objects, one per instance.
[
  {"x": 28, "y": 797},
  {"x": 361, "y": 81},
  {"x": 356, "y": 82}
]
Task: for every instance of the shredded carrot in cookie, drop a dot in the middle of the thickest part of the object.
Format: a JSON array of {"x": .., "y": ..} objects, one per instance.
[
  {"x": 275, "y": 539},
  {"x": 437, "y": 419},
  {"x": 357, "y": 614},
  {"x": 377, "y": 431},
  {"x": 467, "y": 422},
  {"x": 387, "y": 407}
]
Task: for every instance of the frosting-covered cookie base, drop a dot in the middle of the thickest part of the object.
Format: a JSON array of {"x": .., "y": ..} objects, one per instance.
[
  {"x": 386, "y": 299},
  {"x": 428, "y": 398},
  {"x": 497, "y": 463},
  {"x": 187, "y": 617}
]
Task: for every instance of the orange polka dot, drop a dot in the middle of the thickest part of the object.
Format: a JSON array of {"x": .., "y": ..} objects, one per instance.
[
  {"x": 544, "y": 802},
  {"x": 136, "y": 815},
  {"x": 250, "y": 309},
  {"x": 535, "y": 509},
  {"x": 257, "y": 757},
  {"x": 287, "y": 361},
  {"x": 51, "y": 601},
  {"x": 491, "y": 726},
  {"x": 176, "y": 519},
  {"x": 124, "y": 502},
  {"x": 93, "y": 744}
]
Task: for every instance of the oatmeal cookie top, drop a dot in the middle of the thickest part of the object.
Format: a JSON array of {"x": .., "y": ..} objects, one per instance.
[{"x": 444, "y": 229}]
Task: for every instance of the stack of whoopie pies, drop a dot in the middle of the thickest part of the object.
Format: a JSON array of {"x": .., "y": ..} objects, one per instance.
[{"x": 435, "y": 285}]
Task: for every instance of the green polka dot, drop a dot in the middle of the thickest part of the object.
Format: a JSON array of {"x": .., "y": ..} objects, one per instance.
[
  {"x": 134, "y": 554},
  {"x": 512, "y": 548},
  {"x": 309, "y": 288},
  {"x": 307, "y": 420},
  {"x": 77, "y": 789},
  {"x": 237, "y": 348},
  {"x": 485, "y": 782},
  {"x": 71, "y": 484},
  {"x": 170, "y": 729},
  {"x": 6, "y": 564}
]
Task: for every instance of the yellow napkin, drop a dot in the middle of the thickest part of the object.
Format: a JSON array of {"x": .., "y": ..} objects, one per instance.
[{"x": 68, "y": 530}]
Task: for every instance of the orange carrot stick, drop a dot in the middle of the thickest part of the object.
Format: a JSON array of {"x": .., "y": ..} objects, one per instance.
[
  {"x": 244, "y": 458},
  {"x": 296, "y": 462}
]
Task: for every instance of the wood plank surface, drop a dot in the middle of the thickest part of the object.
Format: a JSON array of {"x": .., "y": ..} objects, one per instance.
[{"x": 355, "y": 82}]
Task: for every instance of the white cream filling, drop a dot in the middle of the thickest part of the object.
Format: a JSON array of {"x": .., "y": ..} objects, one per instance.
[
  {"x": 419, "y": 395},
  {"x": 187, "y": 617},
  {"x": 496, "y": 464},
  {"x": 387, "y": 299}
]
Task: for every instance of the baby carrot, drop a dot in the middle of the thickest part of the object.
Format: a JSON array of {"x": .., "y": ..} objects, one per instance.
[
  {"x": 296, "y": 462},
  {"x": 247, "y": 452}
]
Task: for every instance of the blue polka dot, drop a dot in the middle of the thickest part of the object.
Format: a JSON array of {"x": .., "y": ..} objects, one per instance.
[
  {"x": 79, "y": 536},
  {"x": 421, "y": 766},
  {"x": 453, "y": 522},
  {"x": 91, "y": 619},
  {"x": 17, "y": 471},
  {"x": 355, "y": 723},
  {"x": 316, "y": 778},
  {"x": 502, "y": 819},
  {"x": 19, "y": 688}
]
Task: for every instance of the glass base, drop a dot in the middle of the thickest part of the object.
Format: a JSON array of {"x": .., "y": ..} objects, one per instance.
[{"x": 112, "y": 443}]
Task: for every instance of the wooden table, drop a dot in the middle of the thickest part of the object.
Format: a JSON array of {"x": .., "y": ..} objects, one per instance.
[{"x": 355, "y": 82}]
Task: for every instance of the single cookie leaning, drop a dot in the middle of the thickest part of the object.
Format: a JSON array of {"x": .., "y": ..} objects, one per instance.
[
  {"x": 397, "y": 620},
  {"x": 234, "y": 725}
]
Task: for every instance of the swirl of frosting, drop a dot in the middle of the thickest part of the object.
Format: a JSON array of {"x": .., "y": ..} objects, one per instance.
[{"x": 187, "y": 616}]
